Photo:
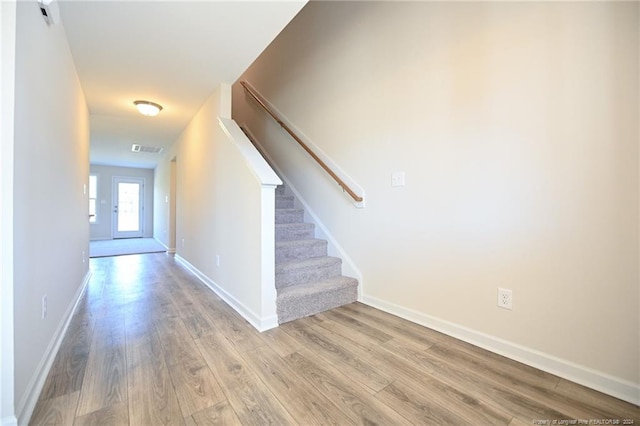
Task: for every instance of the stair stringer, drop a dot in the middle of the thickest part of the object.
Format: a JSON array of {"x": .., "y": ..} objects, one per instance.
[{"x": 349, "y": 267}]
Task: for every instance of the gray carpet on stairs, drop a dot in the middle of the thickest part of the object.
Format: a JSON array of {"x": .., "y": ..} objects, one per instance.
[{"x": 308, "y": 281}]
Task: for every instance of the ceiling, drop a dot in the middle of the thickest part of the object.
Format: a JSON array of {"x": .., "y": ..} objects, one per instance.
[{"x": 174, "y": 53}]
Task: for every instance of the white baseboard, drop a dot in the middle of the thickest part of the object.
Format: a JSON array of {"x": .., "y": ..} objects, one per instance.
[
  {"x": 169, "y": 250},
  {"x": 593, "y": 379},
  {"x": 261, "y": 324},
  {"x": 28, "y": 402}
]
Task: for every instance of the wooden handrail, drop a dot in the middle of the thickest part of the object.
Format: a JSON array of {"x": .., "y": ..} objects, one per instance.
[{"x": 260, "y": 100}]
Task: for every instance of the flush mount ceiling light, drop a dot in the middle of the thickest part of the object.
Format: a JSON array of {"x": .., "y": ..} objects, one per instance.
[{"x": 148, "y": 108}]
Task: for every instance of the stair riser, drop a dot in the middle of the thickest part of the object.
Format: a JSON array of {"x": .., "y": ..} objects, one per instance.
[
  {"x": 301, "y": 276},
  {"x": 284, "y": 203},
  {"x": 313, "y": 304},
  {"x": 289, "y": 216},
  {"x": 285, "y": 254},
  {"x": 294, "y": 234}
]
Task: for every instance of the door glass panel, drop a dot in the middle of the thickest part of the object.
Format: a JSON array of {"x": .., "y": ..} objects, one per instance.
[{"x": 128, "y": 207}]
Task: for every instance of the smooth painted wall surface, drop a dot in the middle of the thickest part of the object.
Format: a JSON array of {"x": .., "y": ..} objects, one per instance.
[
  {"x": 218, "y": 205},
  {"x": 7, "y": 103},
  {"x": 103, "y": 228},
  {"x": 51, "y": 168},
  {"x": 516, "y": 125}
]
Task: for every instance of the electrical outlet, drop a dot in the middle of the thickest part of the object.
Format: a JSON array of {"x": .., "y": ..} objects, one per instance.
[
  {"x": 44, "y": 306},
  {"x": 397, "y": 179},
  {"x": 505, "y": 298},
  {"x": 183, "y": 243},
  {"x": 217, "y": 260},
  {"x": 84, "y": 257}
]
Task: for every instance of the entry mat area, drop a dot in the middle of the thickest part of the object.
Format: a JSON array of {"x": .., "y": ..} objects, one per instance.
[{"x": 122, "y": 246}]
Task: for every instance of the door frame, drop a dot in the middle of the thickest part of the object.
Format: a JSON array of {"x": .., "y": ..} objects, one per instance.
[{"x": 114, "y": 202}]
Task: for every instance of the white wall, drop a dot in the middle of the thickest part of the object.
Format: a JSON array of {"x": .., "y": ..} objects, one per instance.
[
  {"x": 7, "y": 98},
  {"x": 103, "y": 228},
  {"x": 219, "y": 208},
  {"x": 51, "y": 168},
  {"x": 517, "y": 127}
]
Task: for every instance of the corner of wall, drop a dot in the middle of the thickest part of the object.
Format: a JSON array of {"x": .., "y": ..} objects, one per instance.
[
  {"x": 7, "y": 97},
  {"x": 225, "y": 100}
]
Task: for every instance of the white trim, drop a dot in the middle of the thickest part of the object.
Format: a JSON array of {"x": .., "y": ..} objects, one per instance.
[
  {"x": 334, "y": 248},
  {"x": 597, "y": 380},
  {"x": 261, "y": 324},
  {"x": 28, "y": 402},
  {"x": 115, "y": 180},
  {"x": 161, "y": 243},
  {"x": 169, "y": 250},
  {"x": 256, "y": 164},
  {"x": 268, "y": 292}
]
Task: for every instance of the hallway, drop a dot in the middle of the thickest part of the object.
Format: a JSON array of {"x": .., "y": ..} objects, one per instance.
[{"x": 150, "y": 344}]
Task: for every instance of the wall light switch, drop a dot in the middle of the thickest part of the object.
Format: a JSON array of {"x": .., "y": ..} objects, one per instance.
[
  {"x": 166, "y": 198},
  {"x": 397, "y": 179}
]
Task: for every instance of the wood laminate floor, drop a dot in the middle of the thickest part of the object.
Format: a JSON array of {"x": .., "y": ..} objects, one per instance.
[{"x": 151, "y": 345}]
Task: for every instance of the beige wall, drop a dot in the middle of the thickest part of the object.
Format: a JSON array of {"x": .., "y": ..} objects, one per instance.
[
  {"x": 517, "y": 127},
  {"x": 51, "y": 168},
  {"x": 103, "y": 228},
  {"x": 219, "y": 202}
]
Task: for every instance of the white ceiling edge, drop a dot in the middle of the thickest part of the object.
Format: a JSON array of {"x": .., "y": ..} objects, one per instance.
[{"x": 175, "y": 53}]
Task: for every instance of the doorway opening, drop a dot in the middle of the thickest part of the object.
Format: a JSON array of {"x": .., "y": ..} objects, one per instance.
[{"x": 128, "y": 207}]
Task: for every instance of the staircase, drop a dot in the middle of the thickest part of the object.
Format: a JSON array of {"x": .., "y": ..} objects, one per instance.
[{"x": 307, "y": 280}]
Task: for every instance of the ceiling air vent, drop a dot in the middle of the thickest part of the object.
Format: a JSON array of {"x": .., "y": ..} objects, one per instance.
[{"x": 149, "y": 149}]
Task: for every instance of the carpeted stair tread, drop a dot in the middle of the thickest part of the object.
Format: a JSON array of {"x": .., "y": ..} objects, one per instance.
[
  {"x": 300, "y": 249},
  {"x": 309, "y": 299},
  {"x": 284, "y": 201},
  {"x": 291, "y": 215},
  {"x": 307, "y": 263},
  {"x": 307, "y": 280},
  {"x": 294, "y": 225},
  {"x": 294, "y": 231},
  {"x": 318, "y": 287},
  {"x": 301, "y": 242},
  {"x": 303, "y": 271}
]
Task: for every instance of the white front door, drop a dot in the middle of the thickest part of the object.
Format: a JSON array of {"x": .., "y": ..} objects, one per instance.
[{"x": 127, "y": 207}]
